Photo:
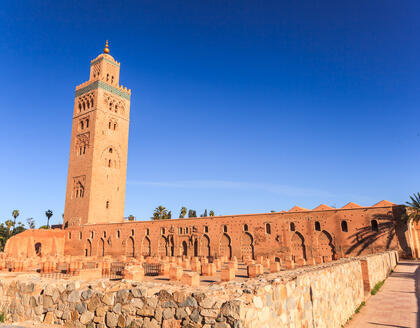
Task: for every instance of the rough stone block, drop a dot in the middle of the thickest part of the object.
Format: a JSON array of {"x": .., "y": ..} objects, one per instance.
[
  {"x": 135, "y": 273},
  {"x": 164, "y": 269},
  {"x": 254, "y": 270},
  {"x": 300, "y": 261},
  {"x": 227, "y": 274},
  {"x": 196, "y": 266},
  {"x": 208, "y": 269},
  {"x": 274, "y": 267},
  {"x": 175, "y": 273},
  {"x": 191, "y": 279},
  {"x": 289, "y": 264},
  {"x": 90, "y": 274}
]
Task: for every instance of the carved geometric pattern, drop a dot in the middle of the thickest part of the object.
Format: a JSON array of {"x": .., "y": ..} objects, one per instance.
[
  {"x": 82, "y": 143},
  {"x": 104, "y": 59},
  {"x": 110, "y": 157},
  {"x": 114, "y": 104},
  {"x": 79, "y": 186},
  {"x": 85, "y": 102}
]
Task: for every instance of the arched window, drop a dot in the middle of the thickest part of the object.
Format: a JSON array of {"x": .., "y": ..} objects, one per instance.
[
  {"x": 107, "y": 77},
  {"x": 112, "y": 79},
  {"x": 110, "y": 150},
  {"x": 115, "y": 126},
  {"x": 80, "y": 235},
  {"x": 109, "y": 125},
  {"x": 147, "y": 231},
  {"x": 80, "y": 108},
  {"x": 225, "y": 228},
  {"x": 92, "y": 234},
  {"x": 84, "y": 149},
  {"x": 245, "y": 227},
  {"x": 104, "y": 234},
  {"x": 344, "y": 227},
  {"x": 87, "y": 104},
  {"x": 180, "y": 231},
  {"x": 84, "y": 106},
  {"x": 317, "y": 226},
  {"x": 374, "y": 225},
  {"x": 206, "y": 229},
  {"x": 268, "y": 228},
  {"x": 87, "y": 123},
  {"x": 292, "y": 226},
  {"x": 118, "y": 234},
  {"x": 81, "y": 125},
  {"x": 91, "y": 102},
  {"x": 186, "y": 230},
  {"x": 162, "y": 231},
  {"x": 69, "y": 235},
  {"x": 109, "y": 163},
  {"x": 132, "y": 232},
  {"x": 107, "y": 204}
]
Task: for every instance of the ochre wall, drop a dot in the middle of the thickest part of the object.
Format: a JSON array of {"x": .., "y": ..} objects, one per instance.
[
  {"x": 118, "y": 239},
  {"x": 51, "y": 243}
]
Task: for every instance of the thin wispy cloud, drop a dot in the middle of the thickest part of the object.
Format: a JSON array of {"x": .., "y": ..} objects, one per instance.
[{"x": 223, "y": 184}]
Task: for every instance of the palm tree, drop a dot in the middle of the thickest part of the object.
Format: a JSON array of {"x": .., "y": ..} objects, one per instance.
[
  {"x": 183, "y": 212},
  {"x": 211, "y": 213},
  {"x": 9, "y": 224},
  {"x": 414, "y": 208},
  {"x": 31, "y": 223},
  {"x": 48, "y": 214},
  {"x": 159, "y": 213},
  {"x": 131, "y": 217},
  {"x": 15, "y": 214}
]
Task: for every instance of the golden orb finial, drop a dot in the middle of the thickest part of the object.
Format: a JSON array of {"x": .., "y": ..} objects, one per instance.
[{"x": 106, "y": 49}]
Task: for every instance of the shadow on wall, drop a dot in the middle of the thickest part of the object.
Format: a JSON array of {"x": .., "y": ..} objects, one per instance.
[{"x": 381, "y": 226}]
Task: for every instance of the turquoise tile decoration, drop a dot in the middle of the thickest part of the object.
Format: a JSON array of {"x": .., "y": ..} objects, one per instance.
[{"x": 104, "y": 86}]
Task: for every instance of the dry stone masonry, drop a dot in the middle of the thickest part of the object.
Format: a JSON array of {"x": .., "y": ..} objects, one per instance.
[{"x": 321, "y": 296}]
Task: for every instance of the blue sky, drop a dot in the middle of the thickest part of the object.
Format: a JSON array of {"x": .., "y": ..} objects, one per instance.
[{"x": 237, "y": 106}]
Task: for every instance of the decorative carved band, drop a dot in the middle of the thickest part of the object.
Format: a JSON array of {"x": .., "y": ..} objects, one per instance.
[{"x": 99, "y": 84}]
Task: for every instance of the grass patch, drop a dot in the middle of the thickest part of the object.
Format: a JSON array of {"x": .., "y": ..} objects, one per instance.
[
  {"x": 377, "y": 287},
  {"x": 2, "y": 317},
  {"x": 360, "y": 307}
]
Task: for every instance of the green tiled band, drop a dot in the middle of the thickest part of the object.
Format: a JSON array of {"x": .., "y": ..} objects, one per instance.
[
  {"x": 106, "y": 59},
  {"x": 104, "y": 86}
]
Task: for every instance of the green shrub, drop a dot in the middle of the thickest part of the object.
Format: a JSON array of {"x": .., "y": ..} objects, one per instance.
[
  {"x": 359, "y": 307},
  {"x": 377, "y": 287},
  {"x": 2, "y": 317}
]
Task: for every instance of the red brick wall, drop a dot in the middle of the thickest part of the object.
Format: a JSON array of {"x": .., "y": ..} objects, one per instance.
[{"x": 282, "y": 242}]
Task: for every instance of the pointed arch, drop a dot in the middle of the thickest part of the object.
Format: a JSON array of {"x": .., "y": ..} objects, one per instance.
[
  {"x": 162, "y": 246},
  {"x": 247, "y": 246},
  {"x": 101, "y": 247},
  {"x": 196, "y": 247},
  {"x": 171, "y": 245},
  {"x": 130, "y": 247},
  {"x": 205, "y": 246},
  {"x": 298, "y": 247},
  {"x": 225, "y": 247},
  {"x": 146, "y": 247},
  {"x": 184, "y": 248},
  {"x": 88, "y": 249},
  {"x": 326, "y": 248}
]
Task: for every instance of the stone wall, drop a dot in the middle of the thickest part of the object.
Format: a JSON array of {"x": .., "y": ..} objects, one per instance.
[
  {"x": 377, "y": 268},
  {"x": 320, "y": 296}
]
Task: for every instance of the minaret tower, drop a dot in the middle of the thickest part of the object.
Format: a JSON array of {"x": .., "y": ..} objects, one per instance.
[{"x": 98, "y": 151}]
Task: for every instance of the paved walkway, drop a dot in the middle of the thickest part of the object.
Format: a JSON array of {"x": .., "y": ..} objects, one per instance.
[{"x": 396, "y": 305}]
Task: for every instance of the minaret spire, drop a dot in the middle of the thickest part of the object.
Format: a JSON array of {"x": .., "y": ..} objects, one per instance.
[{"x": 106, "y": 49}]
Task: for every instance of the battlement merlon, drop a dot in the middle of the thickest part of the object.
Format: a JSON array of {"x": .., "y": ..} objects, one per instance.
[{"x": 120, "y": 91}]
